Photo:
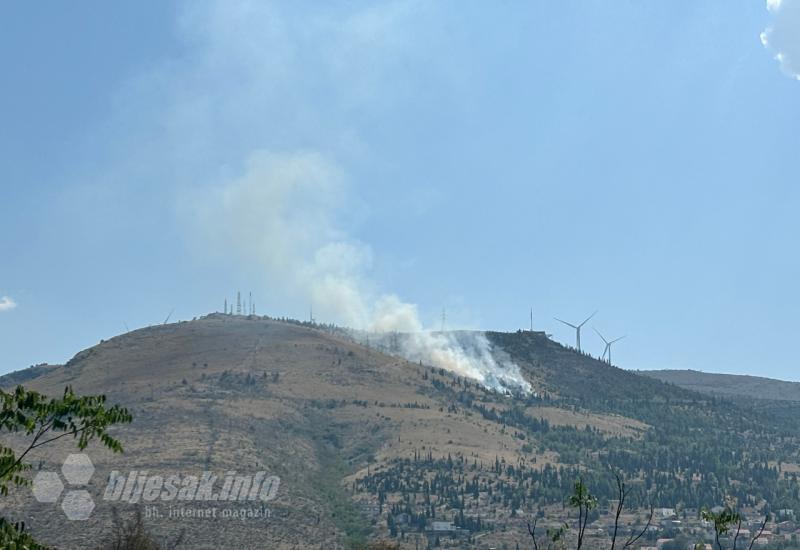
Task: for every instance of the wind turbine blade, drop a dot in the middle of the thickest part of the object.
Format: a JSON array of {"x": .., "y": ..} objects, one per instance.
[
  {"x": 568, "y": 324},
  {"x": 618, "y": 339},
  {"x": 589, "y": 317},
  {"x": 601, "y": 336}
]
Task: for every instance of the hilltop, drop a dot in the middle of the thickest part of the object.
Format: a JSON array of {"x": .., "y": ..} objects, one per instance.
[
  {"x": 755, "y": 387},
  {"x": 368, "y": 445}
]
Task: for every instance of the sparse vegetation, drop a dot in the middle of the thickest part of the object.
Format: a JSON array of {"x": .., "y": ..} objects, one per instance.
[
  {"x": 132, "y": 534},
  {"x": 371, "y": 447}
]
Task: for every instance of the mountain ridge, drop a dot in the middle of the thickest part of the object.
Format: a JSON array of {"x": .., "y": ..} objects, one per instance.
[
  {"x": 353, "y": 432},
  {"x": 738, "y": 385}
]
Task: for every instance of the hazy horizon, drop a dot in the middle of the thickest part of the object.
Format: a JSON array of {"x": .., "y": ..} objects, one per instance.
[{"x": 384, "y": 162}]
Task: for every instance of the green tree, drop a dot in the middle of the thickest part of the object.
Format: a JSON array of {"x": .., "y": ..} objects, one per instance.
[
  {"x": 43, "y": 420},
  {"x": 585, "y": 502},
  {"x": 724, "y": 521}
]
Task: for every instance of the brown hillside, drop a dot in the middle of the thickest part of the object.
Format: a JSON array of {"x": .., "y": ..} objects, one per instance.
[{"x": 232, "y": 393}]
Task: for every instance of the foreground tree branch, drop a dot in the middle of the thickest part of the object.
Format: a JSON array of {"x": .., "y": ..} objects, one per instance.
[{"x": 45, "y": 421}]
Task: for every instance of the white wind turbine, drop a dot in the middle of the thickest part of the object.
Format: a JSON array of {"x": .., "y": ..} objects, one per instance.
[
  {"x": 607, "y": 351},
  {"x": 577, "y": 329}
]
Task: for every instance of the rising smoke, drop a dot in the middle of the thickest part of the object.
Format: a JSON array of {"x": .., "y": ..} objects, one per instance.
[
  {"x": 283, "y": 213},
  {"x": 468, "y": 353}
]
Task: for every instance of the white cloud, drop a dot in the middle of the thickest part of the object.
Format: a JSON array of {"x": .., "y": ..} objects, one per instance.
[
  {"x": 7, "y": 303},
  {"x": 783, "y": 36}
]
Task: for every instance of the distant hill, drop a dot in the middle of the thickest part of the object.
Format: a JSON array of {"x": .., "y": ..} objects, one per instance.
[
  {"x": 370, "y": 446},
  {"x": 22, "y": 376},
  {"x": 754, "y": 387}
]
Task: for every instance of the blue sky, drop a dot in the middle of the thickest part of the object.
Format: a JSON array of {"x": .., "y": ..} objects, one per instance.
[{"x": 634, "y": 158}]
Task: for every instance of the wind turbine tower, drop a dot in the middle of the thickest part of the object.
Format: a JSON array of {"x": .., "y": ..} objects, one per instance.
[
  {"x": 607, "y": 351},
  {"x": 577, "y": 329}
]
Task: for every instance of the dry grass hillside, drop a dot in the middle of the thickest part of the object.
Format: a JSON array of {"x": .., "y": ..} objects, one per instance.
[
  {"x": 368, "y": 446},
  {"x": 234, "y": 393}
]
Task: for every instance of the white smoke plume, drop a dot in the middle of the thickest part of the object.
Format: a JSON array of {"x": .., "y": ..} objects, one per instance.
[
  {"x": 467, "y": 353},
  {"x": 260, "y": 78},
  {"x": 7, "y": 303},
  {"x": 282, "y": 213},
  {"x": 783, "y": 37}
]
